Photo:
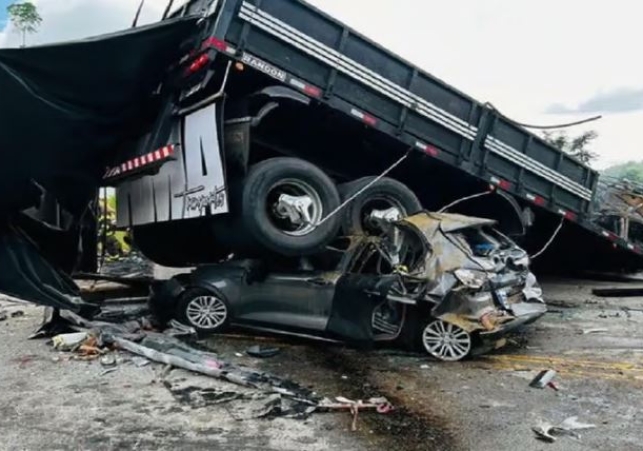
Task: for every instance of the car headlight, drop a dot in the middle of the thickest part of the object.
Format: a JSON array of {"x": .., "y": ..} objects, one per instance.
[{"x": 471, "y": 279}]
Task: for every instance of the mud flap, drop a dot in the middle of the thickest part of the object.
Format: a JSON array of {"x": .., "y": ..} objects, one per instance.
[{"x": 190, "y": 186}]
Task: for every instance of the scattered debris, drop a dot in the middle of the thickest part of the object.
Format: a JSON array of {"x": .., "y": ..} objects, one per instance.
[
  {"x": 69, "y": 342},
  {"x": 262, "y": 352},
  {"x": 108, "y": 361},
  {"x": 594, "y": 331},
  {"x": 380, "y": 405},
  {"x": 547, "y": 432},
  {"x": 259, "y": 394},
  {"x": 543, "y": 379},
  {"x": 493, "y": 404},
  {"x": 108, "y": 370},
  {"x": 178, "y": 329},
  {"x": 140, "y": 361}
]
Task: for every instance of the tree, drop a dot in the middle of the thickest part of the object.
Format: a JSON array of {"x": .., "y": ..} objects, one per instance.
[
  {"x": 577, "y": 147},
  {"x": 24, "y": 16}
]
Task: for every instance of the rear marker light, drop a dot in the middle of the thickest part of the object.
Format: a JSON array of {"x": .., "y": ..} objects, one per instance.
[
  {"x": 428, "y": 149},
  {"x": 536, "y": 199},
  {"x": 567, "y": 214},
  {"x": 198, "y": 64},
  {"x": 502, "y": 184},
  {"x": 313, "y": 91},
  {"x": 215, "y": 43},
  {"x": 367, "y": 119}
]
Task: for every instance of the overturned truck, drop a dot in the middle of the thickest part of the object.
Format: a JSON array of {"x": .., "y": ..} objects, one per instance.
[
  {"x": 277, "y": 113},
  {"x": 242, "y": 129}
]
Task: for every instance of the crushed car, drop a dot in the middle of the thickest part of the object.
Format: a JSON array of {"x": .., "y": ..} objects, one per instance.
[{"x": 445, "y": 283}]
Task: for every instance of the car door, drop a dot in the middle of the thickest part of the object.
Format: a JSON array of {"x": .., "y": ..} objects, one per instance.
[{"x": 298, "y": 299}]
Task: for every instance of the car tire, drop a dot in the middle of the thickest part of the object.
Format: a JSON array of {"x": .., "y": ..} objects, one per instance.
[
  {"x": 207, "y": 311},
  {"x": 270, "y": 226},
  {"x": 383, "y": 194},
  {"x": 444, "y": 341}
]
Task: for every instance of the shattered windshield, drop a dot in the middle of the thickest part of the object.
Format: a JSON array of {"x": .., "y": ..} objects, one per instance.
[{"x": 481, "y": 241}]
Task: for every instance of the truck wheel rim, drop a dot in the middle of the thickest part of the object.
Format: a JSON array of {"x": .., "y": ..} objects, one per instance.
[
  {"x": 379, "y": 203},
  {"x": 296, "y": 190},
  {"x": 207, "y": 312},
  {"x": 446, "y": 341}
]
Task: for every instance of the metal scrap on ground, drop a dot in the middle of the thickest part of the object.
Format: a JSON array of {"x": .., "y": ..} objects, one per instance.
[{"x": 260, "y": 394}]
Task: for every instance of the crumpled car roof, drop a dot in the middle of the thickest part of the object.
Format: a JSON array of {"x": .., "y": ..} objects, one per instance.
[{"x": 427, "y": 222}]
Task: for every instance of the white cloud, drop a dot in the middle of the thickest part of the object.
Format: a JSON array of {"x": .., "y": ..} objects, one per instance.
[{"x": 521, "y": 55}]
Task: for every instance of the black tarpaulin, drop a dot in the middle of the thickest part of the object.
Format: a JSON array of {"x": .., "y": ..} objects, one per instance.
[
  {"x": 26, "y": 273},
  {"x": 65, "y": 109}
]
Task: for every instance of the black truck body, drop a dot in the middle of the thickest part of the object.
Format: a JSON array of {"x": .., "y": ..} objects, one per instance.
[{"x": 380, "y": 106}]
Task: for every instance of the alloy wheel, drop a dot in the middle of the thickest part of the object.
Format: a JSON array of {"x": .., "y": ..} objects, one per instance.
[{"x": 446, "y": 341}]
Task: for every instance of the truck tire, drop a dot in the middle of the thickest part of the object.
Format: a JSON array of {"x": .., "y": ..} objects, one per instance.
[
  {"x": 385, "y": 193},
  {"x": 268, "y": 217}
]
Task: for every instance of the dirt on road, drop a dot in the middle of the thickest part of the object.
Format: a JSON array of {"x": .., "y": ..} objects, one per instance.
[{"x": 485, "y": 403}]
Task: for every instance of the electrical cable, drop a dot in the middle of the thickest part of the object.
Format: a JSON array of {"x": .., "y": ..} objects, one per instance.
[
  {"x": 542, "y": 127},
  {"x": 367, "y": 186},
  {"x": 551, "y": 240},
  {"x": 474, "y": 196}
]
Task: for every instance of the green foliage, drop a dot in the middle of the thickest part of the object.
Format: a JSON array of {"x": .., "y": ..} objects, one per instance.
[
  {"x": 24, "y": 16},
  {"x": 632, "y": 171},
  {"x": 577, "y": 147}
]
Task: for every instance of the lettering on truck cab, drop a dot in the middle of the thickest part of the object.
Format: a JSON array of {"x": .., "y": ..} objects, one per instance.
[{"x": 191, "y": 186}]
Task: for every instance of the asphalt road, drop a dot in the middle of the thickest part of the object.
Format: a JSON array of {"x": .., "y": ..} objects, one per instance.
[{"x": 594, "y": 344}]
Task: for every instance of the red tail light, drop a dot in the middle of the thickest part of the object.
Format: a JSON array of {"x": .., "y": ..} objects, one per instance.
[{"x": 198, "y": 64}]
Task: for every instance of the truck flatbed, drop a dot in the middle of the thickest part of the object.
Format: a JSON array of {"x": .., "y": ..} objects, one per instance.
[{"x": 308, "y": 50}]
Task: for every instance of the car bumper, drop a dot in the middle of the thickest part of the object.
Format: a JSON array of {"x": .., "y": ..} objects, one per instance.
[{"x": 525, "y": 313}]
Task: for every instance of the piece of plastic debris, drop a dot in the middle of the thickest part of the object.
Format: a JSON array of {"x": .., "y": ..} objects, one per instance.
[
  {"x": 17, "y": 313},
  {"x": 425, "y": 367},
  {"x": 262, "y": 352},
  {"x": 490, "y": 404},
  {"x": 108, "y": 360},
  {"x": 594, "y": 331},
  {"x": 238, "y": 354},
  {"x": 547, "y": 432},
  {"x": 69, "y": 342},
  {"x": 344, "y": 377},
  {"x": 140, "y": 361},
  {"x": 543, "y": 379},
  {"x": 178, "y": 329},
  {"x": 572, "y": 424},
  {"x": 553, "y": 385},
  {"x": 542, "y": 432},
  {"x": 108, "y": 370},
  {"x": 381, "y": 405}
]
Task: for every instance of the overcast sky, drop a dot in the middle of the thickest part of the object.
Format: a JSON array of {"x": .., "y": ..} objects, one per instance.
[{"x": 543, "y": 62}]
